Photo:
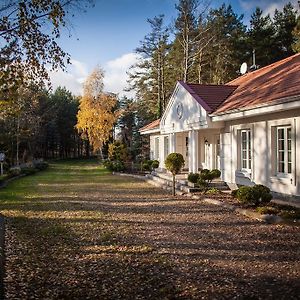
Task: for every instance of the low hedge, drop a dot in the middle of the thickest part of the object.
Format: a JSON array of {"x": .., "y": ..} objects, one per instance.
[
  {"x": 193, "y": 177},
  {"x": 253, "y": 195}
]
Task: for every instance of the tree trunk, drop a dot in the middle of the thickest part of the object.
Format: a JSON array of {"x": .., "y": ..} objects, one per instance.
[
  {"x": 18, "y": 140},
  {"x": 174, "y": 185}
]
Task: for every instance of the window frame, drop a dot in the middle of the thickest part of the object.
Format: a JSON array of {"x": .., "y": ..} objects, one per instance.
[
  {"x": 287, "y": 148},
  {"x": 247, "y": 150}
]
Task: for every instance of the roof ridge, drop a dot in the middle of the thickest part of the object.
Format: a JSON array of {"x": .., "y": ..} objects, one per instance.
[{"x": 208, "y": 84}]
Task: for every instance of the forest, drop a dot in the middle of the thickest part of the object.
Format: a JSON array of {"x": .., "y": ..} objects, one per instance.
[{"x": 203, "y": 45}]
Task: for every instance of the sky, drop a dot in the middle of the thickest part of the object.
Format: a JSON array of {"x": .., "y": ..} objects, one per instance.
[{"x": 108, "y": 34}]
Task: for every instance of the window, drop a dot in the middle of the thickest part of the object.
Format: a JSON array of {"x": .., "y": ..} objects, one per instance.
[
  {"x": 246, "y": 156},
  {"x": 284, "y": 150}
]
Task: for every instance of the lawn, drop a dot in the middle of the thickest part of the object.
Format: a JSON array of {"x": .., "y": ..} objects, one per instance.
[
  {"x": 62, "y": 241},
  {"x": 75, "y": 231}
]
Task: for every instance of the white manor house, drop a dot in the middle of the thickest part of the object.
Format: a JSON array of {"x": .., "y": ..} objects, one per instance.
[{"x": 248, "y": 128}]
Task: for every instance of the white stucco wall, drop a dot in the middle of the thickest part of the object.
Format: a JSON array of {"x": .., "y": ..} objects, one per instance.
[
  {"x": 263, "y": 169},
  {"x": 193, "y": 114}
]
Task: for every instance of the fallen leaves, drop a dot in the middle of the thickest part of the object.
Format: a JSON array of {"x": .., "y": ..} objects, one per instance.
[{"x": 106, "y": 237}]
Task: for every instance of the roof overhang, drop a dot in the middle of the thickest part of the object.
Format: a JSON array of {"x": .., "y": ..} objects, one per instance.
[
  {"x": 150, "y": 131},
  {"x": 280, "y": 105}
]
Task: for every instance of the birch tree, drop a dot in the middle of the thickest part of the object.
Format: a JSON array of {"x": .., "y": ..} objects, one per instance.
[{"x": 96, "y": 116}]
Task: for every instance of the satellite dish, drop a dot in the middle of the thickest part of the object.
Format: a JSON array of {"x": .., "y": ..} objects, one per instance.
[{"x": 243, "y": 68}]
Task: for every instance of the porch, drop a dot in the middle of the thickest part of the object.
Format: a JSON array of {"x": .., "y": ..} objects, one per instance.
[{"x": 199, "y": 148}]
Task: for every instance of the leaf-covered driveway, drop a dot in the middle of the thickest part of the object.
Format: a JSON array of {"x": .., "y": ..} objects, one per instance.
[{"x": 77, "y": 232}]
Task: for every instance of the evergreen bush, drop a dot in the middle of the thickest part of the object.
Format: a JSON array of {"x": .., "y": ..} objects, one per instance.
[
  {"x": 255, "y": 195},
  {"x": 174, "y": 163},
  {"x": 14, "y": 171},
  {"x": 146, "y": 166},
  {"x": 193, "y": 177},
  {"x": 155, "y": 164},
  {"x": 206, "y": 177}
]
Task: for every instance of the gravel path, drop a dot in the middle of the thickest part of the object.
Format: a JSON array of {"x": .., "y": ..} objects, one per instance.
[{"x": 119, "y": 238}]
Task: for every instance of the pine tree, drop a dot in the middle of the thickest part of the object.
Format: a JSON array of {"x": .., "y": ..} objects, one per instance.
[
  {"x": 226, "y": 51},
  {"x": 285, "y": 21},
  {"x": 189, "y": 41},
  {"x": 261, "y": 38},
  {"x": 149, "y": 77},
  {"x": 296, "y": 34}
]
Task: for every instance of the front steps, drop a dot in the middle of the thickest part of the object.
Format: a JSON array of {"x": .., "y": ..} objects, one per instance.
[{"x": 164, "y": 180}]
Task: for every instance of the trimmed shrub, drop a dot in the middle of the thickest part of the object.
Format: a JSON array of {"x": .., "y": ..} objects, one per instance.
[
  {"x": 193, "y": 177},
  {"x": 155, "y": 164},
  {"x": 14, "y": 171},
  {"x": 146, "y": 166},
  {"x": 149, "y": 162},
  {"x": 263, "y": 192},
  {"x": 255, "y": 195},
  {"x": 174, "y": 163},
  {"x": 206, "y": 177},
  {"x": 246, "y": 195},
  {"x": 215, "y": 173}
]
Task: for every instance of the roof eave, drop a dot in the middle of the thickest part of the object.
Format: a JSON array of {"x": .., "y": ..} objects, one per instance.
[
  {"x": 149, "y": 131},
  {"x": 276, "y": 106}
]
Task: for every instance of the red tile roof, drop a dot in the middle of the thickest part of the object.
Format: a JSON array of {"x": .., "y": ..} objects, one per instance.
[
  {"x": 150, "y": 126},
  {"x": 264, "y": 86},
  {"x": 209, "y": 96}
]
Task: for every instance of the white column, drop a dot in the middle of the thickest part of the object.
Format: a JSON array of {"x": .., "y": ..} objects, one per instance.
[
  {"x": 196, "y": 151},
  {"x": 172, "y": 141},
  {"x": 193, "y": 151},
  {"x": 161, "y": 151}
]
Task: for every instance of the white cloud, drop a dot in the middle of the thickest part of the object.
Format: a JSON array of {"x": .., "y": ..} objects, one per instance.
[
  {"x": 115, "y": 78},
  {"x": 267, "y": 6},
  {"x": 72, "y": 79}
]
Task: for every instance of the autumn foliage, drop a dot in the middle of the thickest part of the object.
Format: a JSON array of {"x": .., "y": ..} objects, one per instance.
[{"x": 97, "y": 114}]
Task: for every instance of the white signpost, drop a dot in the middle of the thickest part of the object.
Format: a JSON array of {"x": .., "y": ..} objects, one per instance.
[{"x": 2, "y": 158}]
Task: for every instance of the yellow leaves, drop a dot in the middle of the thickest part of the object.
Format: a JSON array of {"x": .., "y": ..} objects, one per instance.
[{"x": 96, "y": 116}]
